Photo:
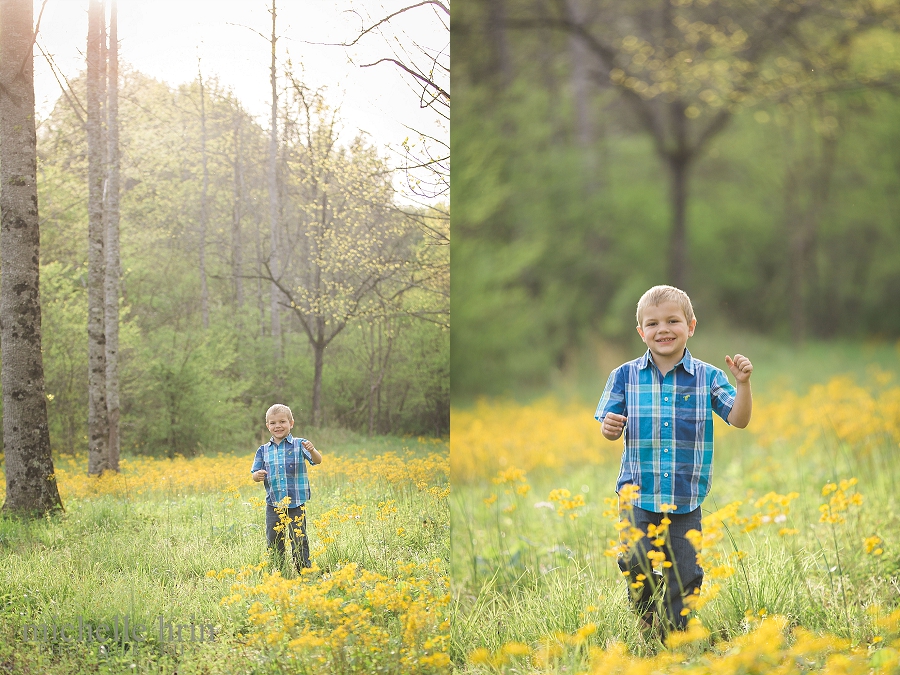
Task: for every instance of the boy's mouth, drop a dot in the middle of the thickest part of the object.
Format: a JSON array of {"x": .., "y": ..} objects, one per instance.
[{"x": 666, "y": 340}]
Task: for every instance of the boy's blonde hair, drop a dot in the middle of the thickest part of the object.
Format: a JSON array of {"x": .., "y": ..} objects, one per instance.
[
  {"x": 660, "y": 294},
  {"x": 279, "y": 408}
]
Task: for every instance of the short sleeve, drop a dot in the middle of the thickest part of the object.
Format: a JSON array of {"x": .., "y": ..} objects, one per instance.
[
  {"x": 305, "y": 451},
  {"x": 258, "y": 462},
  {"x": 722, "y": 394},
  {"x": 613, "y": 398}
]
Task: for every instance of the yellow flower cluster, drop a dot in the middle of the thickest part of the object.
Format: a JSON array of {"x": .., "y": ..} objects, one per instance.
[
  {"x": 566, "y": 503},
  {"x": 351, "y": 620},
  {"x": 841, "y": 500},
  {"x": 228, "y": 473},
  {"x": 496, "y": 435},
  {"x": 873, "y": 545},
  {"x": 770, "y": 647},
  {"x": 860, "y": 417},
  {"x": 547, "y": 652}
]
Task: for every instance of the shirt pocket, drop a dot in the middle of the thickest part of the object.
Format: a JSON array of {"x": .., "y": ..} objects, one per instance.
[{"x": 690, "y": 404}]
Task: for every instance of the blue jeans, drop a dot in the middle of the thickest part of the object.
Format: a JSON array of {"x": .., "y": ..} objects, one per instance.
[
  {"x": 663, "y": 594},
  {"x": 296, "y": 530}
]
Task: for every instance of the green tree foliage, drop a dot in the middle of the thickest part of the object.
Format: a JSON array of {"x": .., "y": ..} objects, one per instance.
[
  {"x": 793, "y": 203},
  {"x": 183, "y": 388}
]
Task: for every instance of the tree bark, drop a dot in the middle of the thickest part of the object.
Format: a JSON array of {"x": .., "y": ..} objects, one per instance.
[
  {"x": 678, "y": 194},
  {"x": 98, "y": 424},
  {"x": 204, "y": 215},
  {"x": 113, "y": 263},
  {"x": 273, "y": 203},
  {"x": 30, "y": 484}
]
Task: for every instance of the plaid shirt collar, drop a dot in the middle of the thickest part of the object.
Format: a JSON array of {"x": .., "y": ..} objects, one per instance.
[
  {"x": 687, "y": 361},
  {"x": 289, "y": 439}
]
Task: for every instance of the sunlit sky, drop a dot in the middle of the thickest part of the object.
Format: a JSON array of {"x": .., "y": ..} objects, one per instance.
[{"x": 165, "y": 38}]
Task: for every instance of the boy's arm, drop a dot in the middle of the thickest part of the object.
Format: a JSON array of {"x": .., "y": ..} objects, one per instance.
[
  {"x": 742, "y": 409},
  {"x": 611, "y": 411},
  {"x": 314, "y": 456},
  {"x": 258, "y": 469}
]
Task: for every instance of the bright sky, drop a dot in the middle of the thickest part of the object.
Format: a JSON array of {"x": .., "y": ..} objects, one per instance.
[{"x": 164, "y": 38}]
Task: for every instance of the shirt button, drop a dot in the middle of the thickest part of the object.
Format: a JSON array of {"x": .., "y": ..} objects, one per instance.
[
  {"x": 667, "y": 398},
  {"x": 666, "y": 450},
  {"x": 665, "y": 475},
  {"x": 665, "y": 424}
]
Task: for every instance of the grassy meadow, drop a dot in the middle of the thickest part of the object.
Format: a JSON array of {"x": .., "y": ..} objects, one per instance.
[
  {"x": 800, "y": 542},
  {"x": 177, "y": 548}
]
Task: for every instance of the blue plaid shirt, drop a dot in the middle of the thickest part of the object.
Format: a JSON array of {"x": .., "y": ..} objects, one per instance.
[
  {"x": 287, "y": 475},
  {"x": 669, "y": 433}
]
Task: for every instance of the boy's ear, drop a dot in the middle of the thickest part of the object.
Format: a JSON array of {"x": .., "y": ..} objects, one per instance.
[
  {"x": 640, "y": 332},
  {"x": 691, "y": 327}
]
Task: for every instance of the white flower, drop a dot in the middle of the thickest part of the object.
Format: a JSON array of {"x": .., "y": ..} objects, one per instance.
[
  {"x": 780, "y": 518},
  {"x": 544, "y": 505}
]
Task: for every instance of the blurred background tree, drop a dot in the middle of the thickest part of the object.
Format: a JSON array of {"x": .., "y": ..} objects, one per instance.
[{"x": 747, "y": 151}]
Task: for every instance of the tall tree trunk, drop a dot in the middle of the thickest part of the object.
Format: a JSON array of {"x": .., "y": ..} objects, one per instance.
[
  {"x": 113, "y": 263},
  {"x": 807, "y": 174},
  {"x": 98, "y": 425},
  {"x": 678, "y": 162},
  {"x": 273, "y": 203},
  {"x": 678, "y": 262},
  {"x": 319, "y": 360},
  {"x": 585, "y": 133},
  {"x": 30, "y": 484},
  {"x": 496, "y": 30},
  {"x": 204, "y": 215},
  {"x": 237, "y": 251}
]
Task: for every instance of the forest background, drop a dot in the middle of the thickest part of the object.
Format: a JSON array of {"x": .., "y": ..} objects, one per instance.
[
  {"x": 747, "y": 152},
  {"x": 201, "y": 357}
]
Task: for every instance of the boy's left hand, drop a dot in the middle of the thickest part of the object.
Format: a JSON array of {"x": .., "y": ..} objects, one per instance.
[{"x": 740, "y": 367}]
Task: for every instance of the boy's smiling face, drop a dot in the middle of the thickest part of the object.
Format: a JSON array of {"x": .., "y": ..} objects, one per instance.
[
  {"x": 279, "y": 425},
  {"x": 665, "y": 330}
]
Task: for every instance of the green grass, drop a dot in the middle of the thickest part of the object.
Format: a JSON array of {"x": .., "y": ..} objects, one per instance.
[{"x": 148, "y": 557}]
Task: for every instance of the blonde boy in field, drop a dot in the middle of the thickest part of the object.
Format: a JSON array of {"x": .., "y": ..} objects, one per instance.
[
  {"x": 663, "y": 402},
  {"x": 281, "y": 465}
]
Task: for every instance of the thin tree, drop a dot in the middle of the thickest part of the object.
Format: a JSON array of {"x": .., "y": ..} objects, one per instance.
[
  {"x": 204, "y": 208},
  {"x": 275, "y": 294},
  {"x": 98, "y": 424},
  {"x": 237, "y": 249},
  {"x": 30, "y": 486},
  {"x": 345, "y": 251},
  {"x": 113, "y": 263}
]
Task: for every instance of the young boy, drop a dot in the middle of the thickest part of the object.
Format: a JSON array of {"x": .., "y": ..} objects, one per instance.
[
  {"x": 279, "y": 464},
  {"x": 663, "y": 402}
]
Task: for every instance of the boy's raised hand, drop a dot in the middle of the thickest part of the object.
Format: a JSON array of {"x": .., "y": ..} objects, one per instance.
[
  {"x": 260, "y": 476},
  {"x": 740, "y": 367},
  {"x": 613, "y": 426}
]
